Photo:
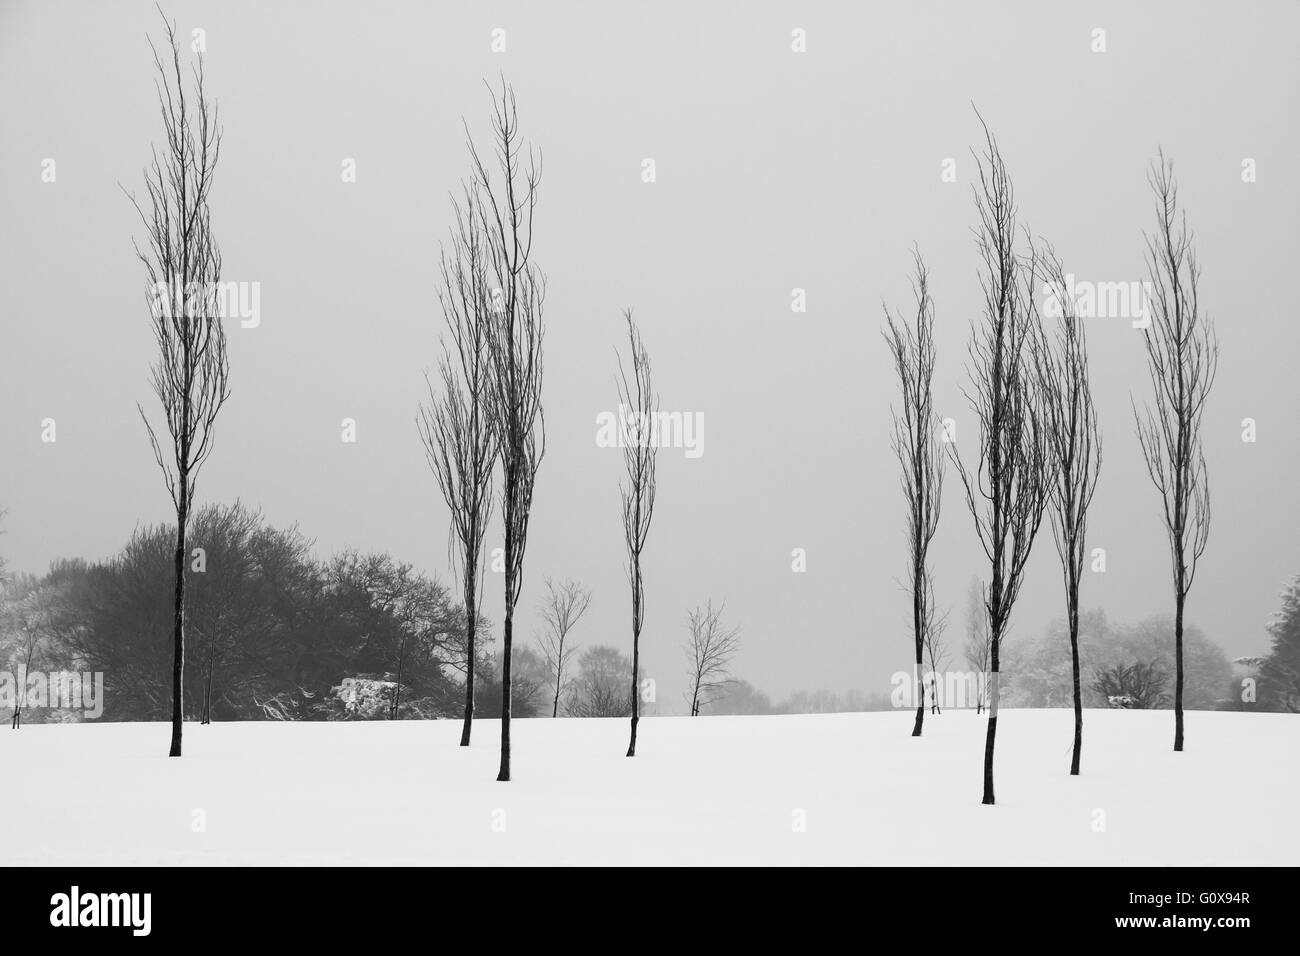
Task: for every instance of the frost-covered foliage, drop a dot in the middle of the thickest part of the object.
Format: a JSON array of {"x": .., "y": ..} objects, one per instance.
[{"x": 363, "y": 698}]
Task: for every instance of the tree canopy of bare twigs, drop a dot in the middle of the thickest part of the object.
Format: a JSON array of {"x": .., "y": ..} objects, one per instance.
[
  {"x": 455, "y": 426},
  {"x": 977, "y": 650},
  {"x": 508, "y": 190},
  {"x": 1182, "y": 359},
  {"x": 563, "y": 607},
  {"x": 1074, "y": 447},
  {"x": 32, "y": 618},
  {"x": 190, "y": 373},
  {"x": 711, "y": 648},
  {"x": 1007, "y": 488},
  {"x": 639, "y": 406},
  {"x": 1135, "y": 686},
  {"x": 600, "y": 689},
  {"x": 937, "y": 654},
  {"x": 917, "y": 446}
]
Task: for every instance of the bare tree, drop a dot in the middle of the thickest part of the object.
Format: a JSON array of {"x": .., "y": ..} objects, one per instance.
[
  {"x": 1182, "y": 360},
  {"x": 917, "y": 446},
  {"x": 32, "y": 616},
  {"x": 514, "y": 348},
  {"x": 977, "y": 648},
  {"x": 710, "y": 651},
  {"x": 190, "y": 374},
  {"x": 563, "y": 607},
  {"x": 936, "y": 647},
  {"x": 600, "y": 689},
  {"x": 1136, "y": 686},
  {"x": 639, "y": 407},
  {"x": 1074, "y": 447},
  {"x": 454, "y": 425},
  {"x": 1006, "y": 490}
]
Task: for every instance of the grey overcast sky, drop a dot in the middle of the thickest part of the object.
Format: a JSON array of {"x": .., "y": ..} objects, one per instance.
[{"x": 775, "y": 170}]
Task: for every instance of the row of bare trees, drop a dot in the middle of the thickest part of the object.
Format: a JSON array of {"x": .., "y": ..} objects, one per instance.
[
  {"x": 1039, "y": 439},
  {"x": 487, "y": 411},
  {"x": 711, "y": 646}
]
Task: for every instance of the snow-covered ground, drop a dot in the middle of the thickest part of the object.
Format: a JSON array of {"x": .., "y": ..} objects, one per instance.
[{"x": 842, "y": 789}]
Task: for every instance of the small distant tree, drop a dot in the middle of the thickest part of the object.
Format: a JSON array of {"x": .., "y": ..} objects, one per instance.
[
  {"x": 916, "y": 444},
  {"x": 600, "y": 689},
  {"x": 936, "y": 647},
  {"x": 639, "y": 405},
  {"x": 29, "y": 620},
  {"x": 742, "y": 697},
  {"x": 1182, "y": 360},
  {"x": 528, "y": 684},
  {"x": 711, "y": 648},
  {"x": 563, "y": 607},
  {"x": 1137, "y": 686},
  {"x": 977, "y": 648}
]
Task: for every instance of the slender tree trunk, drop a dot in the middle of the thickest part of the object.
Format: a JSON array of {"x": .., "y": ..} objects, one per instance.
[
  {"x": 998, "y": 533},
  {"x": 990, "y": 738},
  {"x": 507, "y": 632},
  {"x": 636, "y": 651},
  {"x": 178, "y": 621},
  {"x": 471, "y": 625},
  {"x": 559, "y": 676},
  {"x": 1180, "y": 598},
  {"x": 1078, "y": 691},
  {"x": 916, "y": 632},
  {"x": 207, "y": 681}
]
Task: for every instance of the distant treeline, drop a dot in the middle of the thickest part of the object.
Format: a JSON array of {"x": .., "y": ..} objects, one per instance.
[
  {"x": 1135, "y": 662},
  {"x": 274, "y": 633},
  {"x": 271, "y": 631}
]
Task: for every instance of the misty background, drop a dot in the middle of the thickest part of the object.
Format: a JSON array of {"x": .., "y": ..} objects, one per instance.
[{"x": 775, "y": 171}]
